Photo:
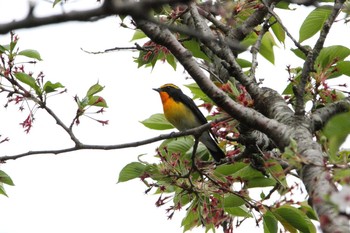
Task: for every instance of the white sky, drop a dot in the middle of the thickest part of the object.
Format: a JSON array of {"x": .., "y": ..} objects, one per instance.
[{"x": 77, "y": 192}]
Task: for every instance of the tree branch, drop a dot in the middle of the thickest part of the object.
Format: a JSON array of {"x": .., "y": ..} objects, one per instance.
[
  {"x": 314, "y": 175},
  {"x": 256, "y": 18},
  {"x": 296, "y": 43},
  {"x": 245, "y": 115},
  {"x": 256, "y": 47},
  {"x": 31, "y": 21},
  {"x": 80, "y": 146},
  {"x": 60, "y": 123},
  {"x": 317, "y": 181},
  {"x": 138, "y": 9},
  {"x": 308, "y": 67},
  {"x": 321, "y": 116}
]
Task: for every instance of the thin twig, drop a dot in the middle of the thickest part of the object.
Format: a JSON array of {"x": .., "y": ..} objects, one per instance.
[
  {"x": 296, "y": 43},
  {"x": 256, "y": 47},
  {"x": 60, "y": 123},
  {"x": 136, "y": 47}
]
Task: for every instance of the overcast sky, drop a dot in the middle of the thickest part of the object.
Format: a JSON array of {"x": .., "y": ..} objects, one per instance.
[{"x": 77, "y": 192}]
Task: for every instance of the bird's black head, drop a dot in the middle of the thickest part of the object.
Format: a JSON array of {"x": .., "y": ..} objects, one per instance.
[{"x": 171, "y": 89}]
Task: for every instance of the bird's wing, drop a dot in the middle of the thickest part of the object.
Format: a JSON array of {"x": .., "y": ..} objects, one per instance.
[{"x": 191, "y": 105}]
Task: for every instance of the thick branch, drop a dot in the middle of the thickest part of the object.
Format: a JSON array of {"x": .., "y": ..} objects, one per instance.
[
  {"x": 248, "y": 25},
  {"x": 31, "y": 21},
  {"x": 268, "y": 101},
  {"x": 245, "y": 115},
  {"x": 321, "y": 116},
  {"x": 224, "y": 52},
  {"x": 318, "y": 182},
  {"x": 278, "y": 110},
  {"x": 108, "y": 8},
  {"x": 314, "y": 174}
]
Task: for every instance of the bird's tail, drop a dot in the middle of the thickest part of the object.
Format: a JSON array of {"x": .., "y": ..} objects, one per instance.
[{"x": 212, "y": 146}]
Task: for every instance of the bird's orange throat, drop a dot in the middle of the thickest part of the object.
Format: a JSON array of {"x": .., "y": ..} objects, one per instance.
[
  {"x": 170, "y": 107},
  {"x": 164, "y": 96}
]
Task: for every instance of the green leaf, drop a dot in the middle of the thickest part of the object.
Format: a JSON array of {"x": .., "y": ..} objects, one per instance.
[
  {"x": 202, "y": 152},
  {"x": 308, "y": 210},
  {"x": 283, "y": 5},
  {"x": 83, "y": 103},
  {"x": 96, "y": 88},
  {"x": 194, "y": 48},
  {"x": 249, "y": 40},
  {"x": 295, "y": 218},
  {"x": 131, "y": 171},
  {"x": 342, "y": 175},
  {"x": 278, "y": 30},
  {"x": 31, "y": 54},
  {"x": 97, "y": 101},
  {"x": 2, "y": 190},
  {"x": 197, "y": 92},
  {"x": 138, "y": 35},
  {"x": 229, "y": 169},
  {"x": 171, "y": 60},
  {"x": 182, "y": 198},
  {"x": 247, "y": 173},
  {"x": 178, "y": 145},
  {"x": 260, "y": 182},
  {"x": 147, "y": 58},
  {"x": 277, "y": 172},
  {"x": 3, "y": 49},
  {"x": 232, "y": 200},
  {"x": 158, "y": 122},
  {"x": 243, "y": 63},
  {"x": 29, "y": 80},
  {"x": 238, "y": 170},
  {"x": 336, "y": 130},
  {"x": 240, "y": 211},
  {"x": 341, "y": 68},
  {"x": 266, "y": 48},
  {"x": 270, "y": 223},
  {"x": 332, "y": 54},
  {"x": 191, "y": 220},
  {"x": 314, "y": 22},
  {"x": 299, "y": 53},
  {"x": 12, "y": 46},
  {"x": 56, "y": 2},
  {"x": 51, "y": 87},
  {"x": 6, "y": 179}
]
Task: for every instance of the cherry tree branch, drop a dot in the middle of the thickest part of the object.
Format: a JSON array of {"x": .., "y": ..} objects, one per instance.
[
  {"x": 308, "y": 67},
  {"x": 321, "y": 116},
  {"x": 245, "y": 115},
  {"x": 256, "y": 47},
  {"x": 61, "y": 124},
  {"x": 138, "y": 9},
  {"x": 313, "y": 173},
  {"x": 81, "y": 146},
  {"x": 276, "y": 107},
  {"x": 278, "y": 19}
]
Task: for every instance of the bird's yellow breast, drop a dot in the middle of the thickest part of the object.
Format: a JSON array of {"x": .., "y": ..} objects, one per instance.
[{"x": 178, "y": 114}]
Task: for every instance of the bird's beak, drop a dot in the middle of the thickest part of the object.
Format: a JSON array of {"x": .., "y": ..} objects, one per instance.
[{"x": 156, "y": 89}]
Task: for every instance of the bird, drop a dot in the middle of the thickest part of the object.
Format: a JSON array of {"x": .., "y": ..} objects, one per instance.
[{"x": 181, "y": 111}]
